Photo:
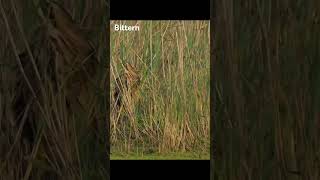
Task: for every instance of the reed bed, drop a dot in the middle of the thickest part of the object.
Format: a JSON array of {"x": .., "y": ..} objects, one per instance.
[
  {"x": 266, "y": 90},
  {"x": 42, "y": 134},
  {"x": 171, "y": 110}
]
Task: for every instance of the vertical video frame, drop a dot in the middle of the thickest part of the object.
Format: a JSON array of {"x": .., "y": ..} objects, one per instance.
[{"x": 160, "y": 89}]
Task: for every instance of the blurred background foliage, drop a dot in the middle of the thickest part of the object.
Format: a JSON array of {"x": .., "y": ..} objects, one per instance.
[
  {"x": 266, "y": 90},
  {"x": 81, "y": 154}
]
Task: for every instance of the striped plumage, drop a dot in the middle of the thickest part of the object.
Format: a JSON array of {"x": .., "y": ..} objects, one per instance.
[{"x": 125, "y": 93}]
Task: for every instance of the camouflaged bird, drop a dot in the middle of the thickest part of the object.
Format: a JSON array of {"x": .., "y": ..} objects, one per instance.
[{"x": 126, "y": 88}]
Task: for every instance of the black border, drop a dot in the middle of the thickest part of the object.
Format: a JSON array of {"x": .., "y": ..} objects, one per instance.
[
  {"x": 212, "y": 82},
  {"x": 160, "y": 10},
  {"x": 108, "y": 90},
  {"x": 160, "y": 169}
]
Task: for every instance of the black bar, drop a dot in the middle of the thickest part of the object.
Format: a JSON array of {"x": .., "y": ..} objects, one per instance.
[{"x": 160, "y": 10}]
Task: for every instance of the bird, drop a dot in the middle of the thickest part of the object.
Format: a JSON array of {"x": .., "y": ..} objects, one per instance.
[{"x": 126, "y": 88}]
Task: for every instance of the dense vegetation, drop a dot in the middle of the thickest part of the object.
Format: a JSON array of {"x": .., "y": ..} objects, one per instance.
[
  {"x": 172, "y": 113},
  {"x": 44, "y": 133},
  {"x": 266, "y": 83}
]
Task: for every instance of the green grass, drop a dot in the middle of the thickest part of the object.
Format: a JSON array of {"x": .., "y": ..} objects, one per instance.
[
  {"x": 161, "y": 156},
  {"x": 172, "y": 113}
]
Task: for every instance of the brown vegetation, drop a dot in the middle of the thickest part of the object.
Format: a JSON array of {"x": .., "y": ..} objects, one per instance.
[{"x": 53, "y": 119}]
